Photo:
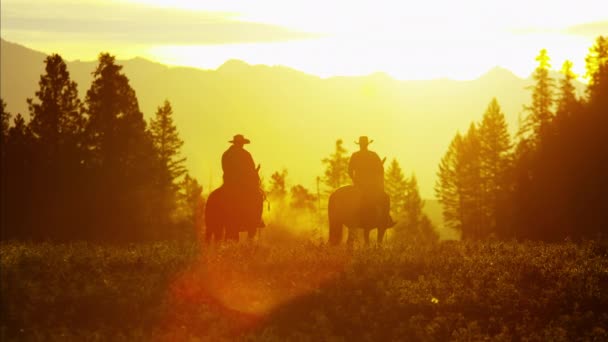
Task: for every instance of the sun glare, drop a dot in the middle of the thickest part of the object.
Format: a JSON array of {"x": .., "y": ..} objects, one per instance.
[{"x": 407, "y": 40}]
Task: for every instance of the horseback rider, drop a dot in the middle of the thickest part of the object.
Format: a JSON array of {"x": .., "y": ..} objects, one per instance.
[
  {"x": 367, "y": 173},
  {"x": 241, "y": 176}
]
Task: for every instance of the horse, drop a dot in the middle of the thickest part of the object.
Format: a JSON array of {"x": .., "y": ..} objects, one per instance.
[
  {"x": 346, "y": 208},
  {"x": 229, "y": 212}
]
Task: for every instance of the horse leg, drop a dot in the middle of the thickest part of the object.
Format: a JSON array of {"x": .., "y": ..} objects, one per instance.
[
  {"x": 381, "y": 232},
  {"x": 251, "y": 232},
  {"x": 335, "y": 232},
  {"x": 366, "y": 236},
  {"x": 350, "y": 240}
]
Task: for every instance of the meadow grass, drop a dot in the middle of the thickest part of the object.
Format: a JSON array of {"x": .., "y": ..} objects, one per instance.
[{"x": 304, "y": 291}]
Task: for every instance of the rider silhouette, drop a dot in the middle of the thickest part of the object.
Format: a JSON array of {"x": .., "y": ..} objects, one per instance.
[
  {"x": 367, "y": 172},
  {"x": 241, "y": 177},
  {"x": 238, "y": 166}
]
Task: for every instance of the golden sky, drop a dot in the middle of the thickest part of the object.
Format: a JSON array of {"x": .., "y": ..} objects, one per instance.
[{"x": 406, "y": 39}]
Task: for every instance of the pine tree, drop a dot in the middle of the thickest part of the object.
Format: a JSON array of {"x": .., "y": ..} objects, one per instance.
[
  {"x": 413, "y": 203},
  {"x": 191, "y": 207},
  {"x": 278, "y": 188},
  {"x": 447, "y": 187},
  {"x": 469, "y": 180},
  {"x": 17, "y": 175},
  {"x": 124, "y": 163},
  {"x": 540, "y": 112},
  {"x": 495, "y": 161},
  {"x": 336, "y": 171},
  {"x": 567, "y": 103},
  {"x": 416, "y": 226},
  {"x": 458, "y": 185},
  {"x": 395, "y": 186},
  {"x": 167, "y": 143},
  {"x": 5, "y": 118},
  {"x": 57, "y": 120},
  {"x": 597, "y": 73},
  {"x": 57, "y": 124}
]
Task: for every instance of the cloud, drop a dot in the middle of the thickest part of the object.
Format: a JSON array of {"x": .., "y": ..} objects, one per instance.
[
  {"x": 141, "y": 24},
  {"x": 592, "y": 29}
]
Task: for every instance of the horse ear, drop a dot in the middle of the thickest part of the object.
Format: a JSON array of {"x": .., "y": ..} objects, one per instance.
[
  {"x": 383, "y": 160},
  {"x": 257, "y": 169}
]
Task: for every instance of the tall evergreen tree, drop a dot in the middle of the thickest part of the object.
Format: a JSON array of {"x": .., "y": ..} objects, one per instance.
[
  {"x": 336, "y": 170},
  {"x": 396, "y": 187},
  {"x": 124, "y": 158},
  {"x": 192, "y": 208},
  {"x": 57, "y": 120},
  {"x": 540, "y": 112},
  {"x": 5, "y": 121},
  {"x": 470, "y": 181},
  {"x": 167, "y": 143},
  {"x": 17, "y": 172},
  {"x": 495, "y": 160},
  {"x": 448, "y": 189},
  {"x": 416, "y": 226},
  {"x": 5, "y": 118},
  {"x": 459, "y": 184},
  {"x": 57, "y": 124},
  {"x": 567, "y": 102},
  {"x": 278, "y": 187},
  {"x": 597, "y": 73}
]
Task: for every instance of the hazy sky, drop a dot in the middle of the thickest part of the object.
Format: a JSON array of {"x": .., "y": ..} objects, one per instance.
[{"x": 407, "y": 39}]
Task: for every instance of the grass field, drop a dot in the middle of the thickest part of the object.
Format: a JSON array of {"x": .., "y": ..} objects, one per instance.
[{"x": 305, "y": 292}]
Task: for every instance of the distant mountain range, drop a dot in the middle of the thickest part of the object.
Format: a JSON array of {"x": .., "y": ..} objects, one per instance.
[{"x": 292, "y": 118}]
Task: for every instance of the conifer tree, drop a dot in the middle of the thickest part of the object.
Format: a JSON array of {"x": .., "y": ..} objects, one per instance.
[
  {"x": 540, "y": 112},
  {"x": 17, "y": 174},
  {"x": 336, "y": 170},
  {"x": 191, "y": 206},
  {"x": 417, "y": 225},
  {"x": 278, "y": 187},
  {"x": 57, "y": 125},
  {"x": 123, "y": 157},
  {"x": 56, "y": 114},
  {"x": 5, "y": 118},
  {"x": 167, "y": 144},
  {"x": 448, "y": 188},
  {"x": 597, "y": 73},
  {"x": 459, "y": 183},
  {"x": 495, "y": 161},
  {"x": 396, "y": 187},
  {"x": 469, "y": 175},
  {"x": 567, "y": 102}
]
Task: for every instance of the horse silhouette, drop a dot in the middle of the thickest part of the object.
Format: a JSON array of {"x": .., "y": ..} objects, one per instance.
[
  {"x": 229, "y": 212},
  {"x": 347, "y": 208}
]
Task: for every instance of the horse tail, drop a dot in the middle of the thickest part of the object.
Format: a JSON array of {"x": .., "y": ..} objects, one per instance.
[{"x": 213, "y": 213}]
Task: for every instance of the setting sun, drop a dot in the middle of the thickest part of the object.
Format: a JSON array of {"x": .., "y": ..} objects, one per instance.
[{"x": 406, "y": 39}]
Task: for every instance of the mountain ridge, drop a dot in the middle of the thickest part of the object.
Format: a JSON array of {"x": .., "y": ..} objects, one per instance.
[{"x": 293, "y": 118}]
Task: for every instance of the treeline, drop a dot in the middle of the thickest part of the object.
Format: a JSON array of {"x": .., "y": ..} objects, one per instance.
[
  {"x": 551, "y": 181},
  {"x": 94, "y": 169}
]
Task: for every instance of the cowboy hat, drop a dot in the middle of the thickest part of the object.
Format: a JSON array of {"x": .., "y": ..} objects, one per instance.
[
  {"x": 239, "y": 139},
  {"x": 364, "y": 140}
]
